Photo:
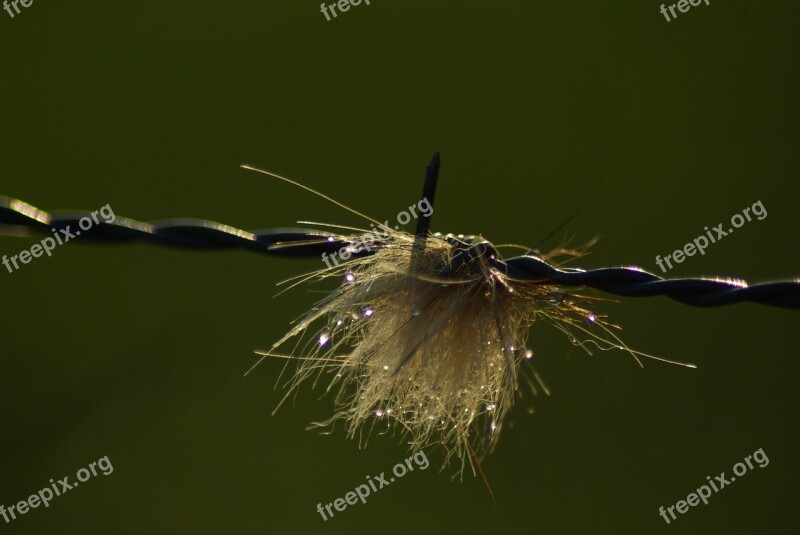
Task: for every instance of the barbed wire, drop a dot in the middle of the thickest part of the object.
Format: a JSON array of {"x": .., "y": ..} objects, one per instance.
[{"x": 204, "y": 234}]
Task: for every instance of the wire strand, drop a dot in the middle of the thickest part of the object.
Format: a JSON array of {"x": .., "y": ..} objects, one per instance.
[{"x": 209, "y": 235}]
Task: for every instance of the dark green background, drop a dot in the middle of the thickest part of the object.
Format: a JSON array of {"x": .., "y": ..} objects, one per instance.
[{"x": 138, "y": 352}]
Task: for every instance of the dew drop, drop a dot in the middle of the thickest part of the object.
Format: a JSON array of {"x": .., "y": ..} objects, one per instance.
[{"x": 324, "y": 338}]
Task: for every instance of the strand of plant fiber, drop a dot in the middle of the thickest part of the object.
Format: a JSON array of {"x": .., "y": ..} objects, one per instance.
[{"x": 203, "y": 234}]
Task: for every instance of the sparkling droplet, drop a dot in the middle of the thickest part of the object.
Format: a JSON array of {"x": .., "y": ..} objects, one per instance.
[
  {"x": 386, "y": 368},
  {"x": 331, "y": 238},
  {"x": 349, "y": 277},
  {"x": 379, "y": 414},
  {"x": 369, "y": 311},
  {"x": 528, "y": 354},
  {"x": 324, "y": 338},
  {"x": 490, "y": 406},
  {"x": 591, "y": 317}
]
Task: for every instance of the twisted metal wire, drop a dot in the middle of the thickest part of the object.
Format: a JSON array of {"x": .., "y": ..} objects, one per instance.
[{"x": 204, "y": 234}]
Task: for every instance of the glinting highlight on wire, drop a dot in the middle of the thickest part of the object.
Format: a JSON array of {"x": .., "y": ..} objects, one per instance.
[{"x": 426, "y": 333}]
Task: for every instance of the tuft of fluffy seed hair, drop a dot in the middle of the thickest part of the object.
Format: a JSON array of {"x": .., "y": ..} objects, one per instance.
[
  {"x": 427, "y": 343},
  {"x": 428, "y": 335}
]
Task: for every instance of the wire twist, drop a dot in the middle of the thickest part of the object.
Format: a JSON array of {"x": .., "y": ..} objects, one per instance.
[{"x": 204, "y": 234}]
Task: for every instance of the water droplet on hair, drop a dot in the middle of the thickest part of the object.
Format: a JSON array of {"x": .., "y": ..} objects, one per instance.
[{"x": 324, "y": 338}]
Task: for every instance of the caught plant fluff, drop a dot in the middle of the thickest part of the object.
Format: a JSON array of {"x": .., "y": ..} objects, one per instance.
[
  {"x": 427, "y": 334},
  {"x": 431, "y": 341}
]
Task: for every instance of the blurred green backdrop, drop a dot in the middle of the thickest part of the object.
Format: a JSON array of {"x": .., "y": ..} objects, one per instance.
[{"x": 138, "y": 352}]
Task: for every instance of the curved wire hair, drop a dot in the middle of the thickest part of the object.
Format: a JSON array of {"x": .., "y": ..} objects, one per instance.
[{"x": 17, "y": 217}]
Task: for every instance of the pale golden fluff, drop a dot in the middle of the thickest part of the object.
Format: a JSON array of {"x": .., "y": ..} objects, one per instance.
[{"x": 427, "y": 338}]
